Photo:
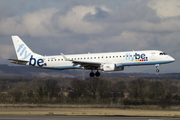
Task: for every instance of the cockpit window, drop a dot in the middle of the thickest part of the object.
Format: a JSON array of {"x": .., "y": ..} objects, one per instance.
[{"x": 163, "y": 54}]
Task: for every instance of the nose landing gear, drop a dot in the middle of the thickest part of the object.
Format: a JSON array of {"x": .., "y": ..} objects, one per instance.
[
  {"x": 157, "y": 66},
  {"x": 157, "y": 70}
]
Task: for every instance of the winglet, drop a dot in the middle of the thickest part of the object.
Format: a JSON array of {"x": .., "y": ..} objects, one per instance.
[{"x": 66, "y": 59}]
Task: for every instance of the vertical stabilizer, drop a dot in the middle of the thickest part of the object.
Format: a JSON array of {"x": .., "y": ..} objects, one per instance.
[{"x": 23, "y": 52}]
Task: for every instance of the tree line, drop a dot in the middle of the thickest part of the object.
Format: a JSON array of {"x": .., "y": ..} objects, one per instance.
[{"x": 90, "y": 91}]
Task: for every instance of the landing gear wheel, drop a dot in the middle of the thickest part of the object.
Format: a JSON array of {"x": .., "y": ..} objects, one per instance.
[
  {"x": 97, "y": 74},
  {"x": 157, "y": 70},
  {"x": 91, "y": 74},
  {"x": 157, "y": 66}
]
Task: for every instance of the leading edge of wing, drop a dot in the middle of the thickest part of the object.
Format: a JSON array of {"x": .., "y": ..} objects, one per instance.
[
  {"x": 82, "y": 63},
  {"x": 86, "y": 62}
]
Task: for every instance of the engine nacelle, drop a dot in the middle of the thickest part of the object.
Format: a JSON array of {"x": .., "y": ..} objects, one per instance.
[{"x": 111, "y": 67}]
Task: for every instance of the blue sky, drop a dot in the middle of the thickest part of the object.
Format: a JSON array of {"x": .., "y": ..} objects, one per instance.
[{"x": 49, "y": 27}]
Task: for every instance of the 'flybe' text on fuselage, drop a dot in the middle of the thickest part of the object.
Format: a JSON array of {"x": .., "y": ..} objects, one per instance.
[{"x": 137, "y": 57}]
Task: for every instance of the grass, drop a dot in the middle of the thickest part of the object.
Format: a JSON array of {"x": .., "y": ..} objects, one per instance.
[{"x": 87, "y": 111}]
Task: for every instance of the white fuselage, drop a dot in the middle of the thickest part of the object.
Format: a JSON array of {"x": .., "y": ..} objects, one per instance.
[{"x": 119, "y": 59}]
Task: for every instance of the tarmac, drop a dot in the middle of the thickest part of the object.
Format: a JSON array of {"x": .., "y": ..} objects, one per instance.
[{"x": 61, "y": 117}]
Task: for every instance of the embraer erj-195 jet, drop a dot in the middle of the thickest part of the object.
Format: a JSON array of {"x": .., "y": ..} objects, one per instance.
[{"x": 107, "y": 62}]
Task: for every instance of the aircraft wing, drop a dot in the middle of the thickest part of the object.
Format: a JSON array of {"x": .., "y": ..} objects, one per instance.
[
  {"x": 85, "y": 64},
  {"x": 15, "y": 61}
]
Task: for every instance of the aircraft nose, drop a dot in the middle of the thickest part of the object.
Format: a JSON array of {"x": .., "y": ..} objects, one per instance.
[{"x": 171, "y": 59}]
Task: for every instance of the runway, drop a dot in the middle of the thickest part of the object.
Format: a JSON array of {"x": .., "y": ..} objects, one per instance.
[{"x": 54, "y": 117}]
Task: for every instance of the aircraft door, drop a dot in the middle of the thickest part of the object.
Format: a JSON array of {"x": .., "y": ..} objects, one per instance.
[
  {"x": 153, "y": 56},
  {"x": 45, "y": 61}
]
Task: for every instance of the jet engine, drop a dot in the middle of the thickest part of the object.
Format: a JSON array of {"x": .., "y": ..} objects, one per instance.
[{"x": 111, "y": 67}]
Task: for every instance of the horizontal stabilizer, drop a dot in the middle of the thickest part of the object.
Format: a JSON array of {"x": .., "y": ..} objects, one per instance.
[{"x": 15, "y": 61}]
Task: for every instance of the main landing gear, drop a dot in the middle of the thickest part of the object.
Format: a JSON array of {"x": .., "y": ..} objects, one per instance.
[
  {"x": 97, "y": 74},
  {"x": 157, "y": 66}
]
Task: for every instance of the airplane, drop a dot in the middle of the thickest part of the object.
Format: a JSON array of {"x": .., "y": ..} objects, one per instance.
[{"x": 107, "y": 62}]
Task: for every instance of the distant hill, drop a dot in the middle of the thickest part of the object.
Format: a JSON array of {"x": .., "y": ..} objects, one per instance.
[{"x": 6, "y": 70}]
